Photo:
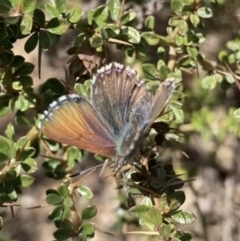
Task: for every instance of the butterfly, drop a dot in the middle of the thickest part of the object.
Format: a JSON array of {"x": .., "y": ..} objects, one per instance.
[{"x": 116, "y": 118}]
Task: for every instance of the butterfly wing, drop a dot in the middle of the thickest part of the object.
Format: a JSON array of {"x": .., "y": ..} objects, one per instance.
[
  {"x": 72, "y": 120},
  {"x": 116, "y": 91},
  {"x": 160, "y": 101},
  {"x": 142, "y": 118}
]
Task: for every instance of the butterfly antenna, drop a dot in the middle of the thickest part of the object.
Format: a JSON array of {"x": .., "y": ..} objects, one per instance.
[{"x": 87, "y": 170}]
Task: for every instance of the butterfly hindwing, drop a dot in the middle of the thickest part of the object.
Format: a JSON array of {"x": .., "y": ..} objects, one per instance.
[{"x": 160, "y": 101}]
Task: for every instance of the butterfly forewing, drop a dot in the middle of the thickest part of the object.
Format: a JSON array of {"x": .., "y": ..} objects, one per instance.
[{"x": 72, "y": 120}]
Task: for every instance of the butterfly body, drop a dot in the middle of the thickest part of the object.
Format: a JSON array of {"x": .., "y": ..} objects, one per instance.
[{"x": 115, "y": 119}]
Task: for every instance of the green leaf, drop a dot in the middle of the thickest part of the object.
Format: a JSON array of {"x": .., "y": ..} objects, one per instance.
[
  {"x": 161, "y": 174},
  {"x": 150, "y": 71},
  {"x": 188, "y": 2},
  {"x": 222, "y": 55},
  {"x": 139, "y": 211},
  {"x": 85, "y": 192},
  {"x": 178, "y": 112},
  {"x": 177, "y": 199},
  {"x": 54, "y": 198},
  {"x": 127, "y": 17},
  {"x": 164, "y": 204},
  {"x": 18, "y": 60},
  {"x": 195, "y": 20},
  {"x": 22, "y": 103},
  {"x": 151, "y": 38},
  {"x": 90, "y": 15},
  {"x": 53, "y": 84},
  {"x": 89, "y": 212},
  {"x": 75, "y": 15},
  {"x": 9, "y": 131},
  {"x": 147, "y": 201},
  {"x": 63, "y": 191},
  {"x": 26, "y": 24},
  {"x": 88, "y": 229},
  {"x": 183, "y": 217},
  {"x": 79, "y": 40},
  {"x": 52, "y": 10},
  {"x": 149, "y": 22},
  {"x": 57, "y": 26},
  {"x": 99, "y": 15},
  {"x": 57, "y": 213},
  {"x": 177, "y": 6},
  {"x": 208, "y": 82},
  {"x": 192, "y": 51},
  {"x": 182, "y": 27},
  {"x": 5, "y": 6},
  {"x": 31, "y": 43},
  {"x": 233, "y": 46},
  {"x": 26, "y": 180},
  {"x": 175, "y": 183},
  {"x": 39, "y": 17},
  {"x": 5, "y": 149},
  {"x": 230, "y": 79},
  {"x": 96, "y": 41},
  {"x": 4, "y": 34},
  {"x": 204, "y": 12},
  {"x": 28, "y": 6},
  {"x": 61, "y": 5},
  {"x": 111, "y": 31},
  {"x": 165, "y": 231},
  {"x": 29, "y": 165},
  {"x": 22, "y": 142},
  {"x": 4, "y": 104},
  {"x": 1, "y": 223},
  {"x": 9, "y": 191},
  {"x": 133, "y": 35},
  {"x": 68, "y": 202},
  {"x": 47, "y": 40},
  {"x": 114, "y": 9},
  {"x": 163, "y": 70},
  {"x": 173, "y": 21},
  {"x": 12, "y": 19},
  {"x": 62, "y": 234},
  {"x": 179, "y": 40},
  {"x": 24, "y": 69},
  {"x": 237, "y": 113},
  {"x": 25, "y": 82},
  {"x": 7, "y": 57},
  {"x": 149, "y": 216},
  {"x": 73, "y": 155}
]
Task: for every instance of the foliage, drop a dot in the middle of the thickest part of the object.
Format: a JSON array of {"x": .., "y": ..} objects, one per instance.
[{"x": 178, "y": 53}]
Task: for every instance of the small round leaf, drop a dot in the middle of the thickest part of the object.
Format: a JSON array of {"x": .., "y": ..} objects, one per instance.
[
  {"x": 205, "y": 12},
  {"x": 183, "y": 217},
  {"x": 5, "y": 149},
  {"x": 54, "y": 198},
  {"x": 85, "y": 192},
  {"x": 89, "y": 212}
]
